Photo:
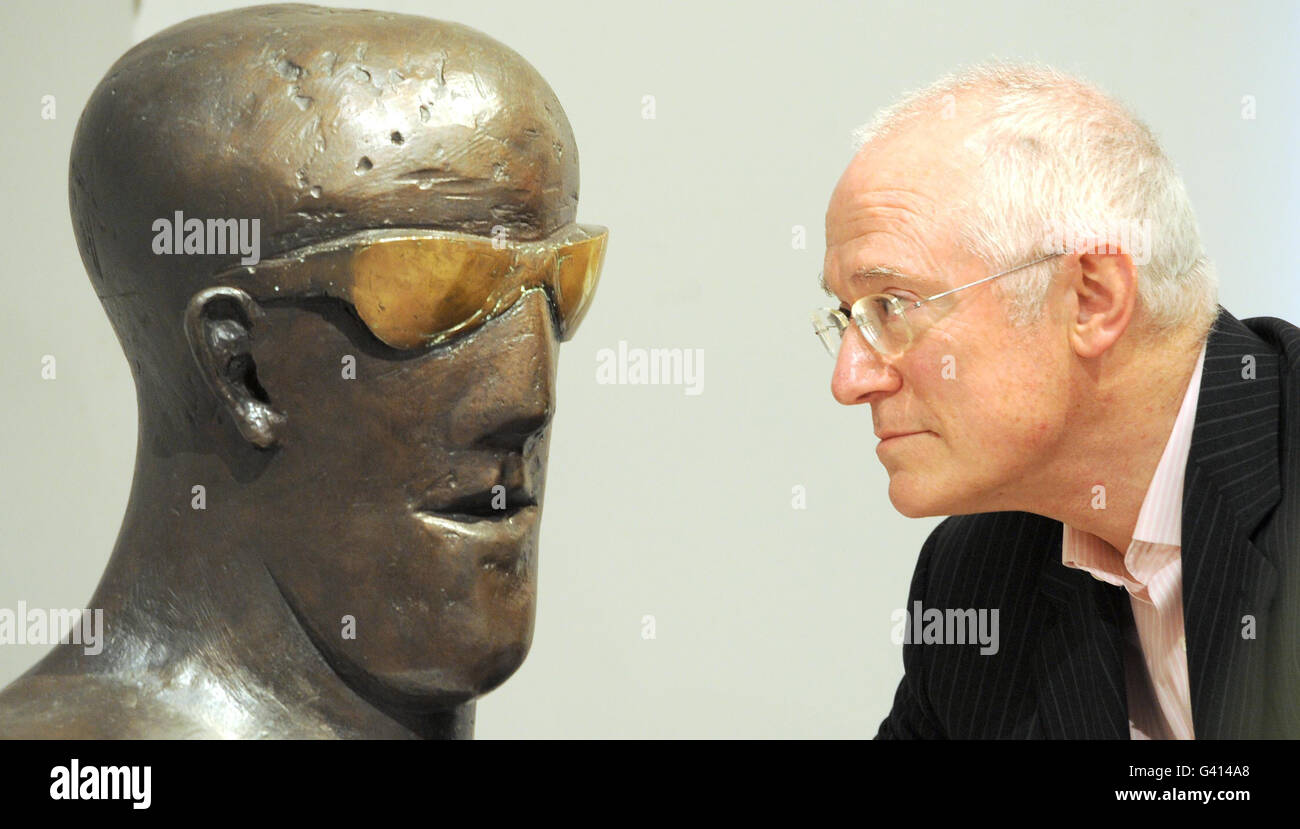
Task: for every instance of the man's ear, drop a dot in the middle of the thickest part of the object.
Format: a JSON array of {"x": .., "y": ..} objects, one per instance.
[
  {"x": 1105, "y": 293},
  {"x": 218, "y": 325}
]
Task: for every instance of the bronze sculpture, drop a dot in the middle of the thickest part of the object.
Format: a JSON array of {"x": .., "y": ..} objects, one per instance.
[{"x": 339, "y": 250}]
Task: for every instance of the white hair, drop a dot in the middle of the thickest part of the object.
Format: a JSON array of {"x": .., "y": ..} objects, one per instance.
[{"x": 1056, "y": 152}]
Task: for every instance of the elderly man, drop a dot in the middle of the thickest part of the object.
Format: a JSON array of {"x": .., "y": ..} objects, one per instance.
[{"x": 1035, "y": 327}]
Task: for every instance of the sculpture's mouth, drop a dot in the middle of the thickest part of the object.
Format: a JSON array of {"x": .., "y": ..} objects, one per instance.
[
  {"x": 491, "y": 506},
  {"x": 498, "y": 538}
]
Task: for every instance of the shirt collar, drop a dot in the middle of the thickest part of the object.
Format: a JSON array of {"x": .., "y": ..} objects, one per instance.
[{"x": 1160, "y": 521}]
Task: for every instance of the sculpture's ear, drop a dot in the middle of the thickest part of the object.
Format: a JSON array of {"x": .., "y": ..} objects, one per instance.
[{"x": 218, "y": 325}]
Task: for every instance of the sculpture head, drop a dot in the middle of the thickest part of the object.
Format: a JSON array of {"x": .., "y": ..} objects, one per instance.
[{"x": 376, "y": 373}]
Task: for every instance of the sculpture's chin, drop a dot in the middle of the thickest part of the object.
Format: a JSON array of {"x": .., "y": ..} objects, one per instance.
[{"x": 440, "y": 689}]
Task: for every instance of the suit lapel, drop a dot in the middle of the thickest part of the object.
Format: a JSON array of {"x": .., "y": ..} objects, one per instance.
[
  {"x": 1080, "y": 660},
  {"x": 1232, "y": 482}
]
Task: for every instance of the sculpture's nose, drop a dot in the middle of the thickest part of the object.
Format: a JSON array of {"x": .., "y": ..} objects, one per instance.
[{"x": 512, "y": 395}]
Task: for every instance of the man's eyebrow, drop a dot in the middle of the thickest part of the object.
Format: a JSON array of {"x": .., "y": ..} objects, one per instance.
[
  {"x": 826, "y": 289},
  {"x": 880, "y": 270},
  {"x": 863, "y": 274}
]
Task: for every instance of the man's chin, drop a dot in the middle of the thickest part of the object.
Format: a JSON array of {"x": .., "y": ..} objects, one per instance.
[{"x": 912, "y": 498}]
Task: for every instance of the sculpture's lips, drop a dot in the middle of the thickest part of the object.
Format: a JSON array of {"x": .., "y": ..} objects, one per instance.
[
  {"x": 485, "y": 506},
  {"x": 480, "y": 524},
  {"x": 502, "y": 543}
]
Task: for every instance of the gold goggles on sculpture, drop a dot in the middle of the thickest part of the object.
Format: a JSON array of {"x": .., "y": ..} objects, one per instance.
[{"x": 416, "y": 288}]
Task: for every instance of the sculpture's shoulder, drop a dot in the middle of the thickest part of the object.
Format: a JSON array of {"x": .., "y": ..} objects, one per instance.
[
  {"x": 167, "y": 705},
  {"x": 89, "y": 707}
]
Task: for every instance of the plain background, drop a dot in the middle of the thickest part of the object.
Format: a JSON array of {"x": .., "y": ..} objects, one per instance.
[{"x": 769, "y": 620}]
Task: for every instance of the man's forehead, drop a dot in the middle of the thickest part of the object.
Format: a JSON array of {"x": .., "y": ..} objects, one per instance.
[
  {"x": 928, "y": 156},
  {"x": 890, "y": 217},
  {"x": 907, "y": 188}
]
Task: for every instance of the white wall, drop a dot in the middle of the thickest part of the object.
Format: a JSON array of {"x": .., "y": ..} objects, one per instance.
[{"x": 771, "y": 621}]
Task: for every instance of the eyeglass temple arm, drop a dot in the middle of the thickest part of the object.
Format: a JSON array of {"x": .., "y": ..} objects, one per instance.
[
  {"x": 921, "y": 302},
  {"x": 327, "y": 274}
]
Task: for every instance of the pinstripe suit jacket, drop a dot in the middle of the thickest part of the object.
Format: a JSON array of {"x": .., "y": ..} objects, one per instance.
[{"x": 1059, "y": 671}]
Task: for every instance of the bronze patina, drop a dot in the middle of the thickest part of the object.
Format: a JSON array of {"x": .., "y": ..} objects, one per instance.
[{"x": 339, "y": 249}]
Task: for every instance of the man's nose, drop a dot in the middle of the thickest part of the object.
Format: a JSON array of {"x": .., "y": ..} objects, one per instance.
[{"x": 860, "y": 371}]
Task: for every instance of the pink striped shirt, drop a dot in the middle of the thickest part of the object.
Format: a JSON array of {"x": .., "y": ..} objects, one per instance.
[{"x": 1159, "y": 695}]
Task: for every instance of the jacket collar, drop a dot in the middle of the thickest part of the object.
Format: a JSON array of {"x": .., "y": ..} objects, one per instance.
[{"x": 1232, "y": 482}]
